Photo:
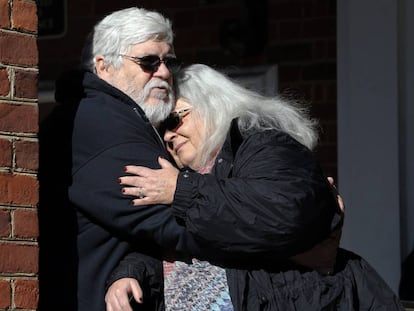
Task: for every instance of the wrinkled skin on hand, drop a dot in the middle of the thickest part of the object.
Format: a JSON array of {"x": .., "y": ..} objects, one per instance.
[
  {"x": 157, "y": 186},
  {"x": 117, "y": 297}
]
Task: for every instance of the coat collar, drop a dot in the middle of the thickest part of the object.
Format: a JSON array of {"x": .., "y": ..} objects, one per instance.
[
  {"x": 224, "y": 162},
  {"x": 92, "y": 81}
]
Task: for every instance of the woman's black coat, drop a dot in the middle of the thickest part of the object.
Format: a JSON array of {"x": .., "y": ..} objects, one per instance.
[{"x": 266, "y": 200}]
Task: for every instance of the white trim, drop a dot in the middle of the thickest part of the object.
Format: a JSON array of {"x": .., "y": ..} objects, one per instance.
[{"x": 369, "y": 130}]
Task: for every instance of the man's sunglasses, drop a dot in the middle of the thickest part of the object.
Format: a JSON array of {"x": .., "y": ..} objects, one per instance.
[
  {"x": 174, "y": 119},
  {"x": 151, "y": 63}
]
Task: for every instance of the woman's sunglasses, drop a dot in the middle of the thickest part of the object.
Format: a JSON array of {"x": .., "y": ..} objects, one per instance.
[
  {"x": 174, "y": 119},
  {"x": 151, "y": 63}
]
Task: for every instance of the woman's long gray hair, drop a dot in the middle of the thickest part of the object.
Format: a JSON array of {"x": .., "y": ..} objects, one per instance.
[
  {"x": 117, "y": 32},
  {"x": 218, "y": 100}
]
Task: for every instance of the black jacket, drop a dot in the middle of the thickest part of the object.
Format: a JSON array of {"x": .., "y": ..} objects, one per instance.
[
  {"x": 267, "y": 200},
  {"x": 111, "y": 131},
  {"x": 266, "y": 195}
]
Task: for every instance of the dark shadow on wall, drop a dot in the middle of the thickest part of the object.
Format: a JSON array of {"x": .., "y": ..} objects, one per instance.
[{"x": 57, "y": 220}]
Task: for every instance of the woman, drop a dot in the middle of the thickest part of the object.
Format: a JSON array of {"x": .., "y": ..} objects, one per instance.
[{"x": 264, "y": 201}]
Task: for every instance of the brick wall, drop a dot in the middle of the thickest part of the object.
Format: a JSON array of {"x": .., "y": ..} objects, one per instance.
[{"x": 19, "y": 189}]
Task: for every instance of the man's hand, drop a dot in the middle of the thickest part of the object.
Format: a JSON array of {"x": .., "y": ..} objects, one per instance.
[{"x": 118, "y": 296}]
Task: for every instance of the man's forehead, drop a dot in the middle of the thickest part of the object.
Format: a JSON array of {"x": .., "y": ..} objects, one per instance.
[{"x": 153, "y": 47}]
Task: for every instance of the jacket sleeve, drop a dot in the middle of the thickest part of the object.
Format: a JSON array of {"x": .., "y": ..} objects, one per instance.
[
  {"x": 146, "y": 269},
  {"x": 276, "y": 201}
]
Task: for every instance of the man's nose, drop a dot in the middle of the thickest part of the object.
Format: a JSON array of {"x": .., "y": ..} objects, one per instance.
[{"x": 163, "y": 71}]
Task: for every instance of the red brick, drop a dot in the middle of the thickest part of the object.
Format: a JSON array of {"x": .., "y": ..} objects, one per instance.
[
  {"x": 19, "y": 189},
  {"x": 326, "y": 152},
  {"x": 324, "y": 110},
  {"x": 318, "y": 92},
  {"x": 5, "y": 224},
  {"x": 320, "y": 27},
  {"x": 319, "y": 50},
  {"x": 322, "y": 8},
  {"x": 4, "y": 82},
  {"x": 5, "y": 153},
  {"x": 24, "y": 15},
  {"x": 290, "y": 73},
  {"x": 25, "y": 84},
  {"x": 18, "y": 49},
  {"x": 289, "y": 30},
  {"x": 331, "y": 49},
  {"x": 329, "y": 133},
  {"x": 331, "y": 92},
  {"x": 320, "y": 71},
  {"x": 18, "y": 258},
  {"x": 18, "y": 118},
  {"x": 26, "y": 224},
  {"x": 27, "y": 154},
  {"x": 209, "y": 19},
  {"x": 5, "y": 294},
  {"x": 81, "y": 9},
  {"x": 26, "y": 293},
  {"x": 4, "y": 16},
  {"x": 286, "y": 10}
]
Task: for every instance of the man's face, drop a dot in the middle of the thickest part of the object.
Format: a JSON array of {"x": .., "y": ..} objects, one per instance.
[{"x": 151, "y": 90}]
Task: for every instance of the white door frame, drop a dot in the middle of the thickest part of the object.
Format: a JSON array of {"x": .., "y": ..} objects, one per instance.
[{"x": 375, "y": 44}]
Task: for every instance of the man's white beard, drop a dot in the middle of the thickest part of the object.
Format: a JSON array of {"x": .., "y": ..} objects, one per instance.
[{"x": 156, "y": 113}]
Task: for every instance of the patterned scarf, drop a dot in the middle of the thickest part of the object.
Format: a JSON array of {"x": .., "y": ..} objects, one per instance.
[{"x": 199, "y": 286}]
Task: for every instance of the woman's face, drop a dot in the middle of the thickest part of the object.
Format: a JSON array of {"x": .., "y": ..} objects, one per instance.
[{"x": 184, "y": 141}]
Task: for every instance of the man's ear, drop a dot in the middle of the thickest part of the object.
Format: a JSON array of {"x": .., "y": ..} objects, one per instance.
[{"x": 100, "y": 66}]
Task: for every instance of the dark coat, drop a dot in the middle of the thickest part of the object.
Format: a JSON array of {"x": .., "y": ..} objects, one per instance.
[
  {"x": 266, "y": 195},
  {"x": 111, "y": 131},
  {"x": 267, "y": 200}
]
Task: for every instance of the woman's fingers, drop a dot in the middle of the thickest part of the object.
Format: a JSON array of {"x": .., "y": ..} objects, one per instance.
[
  {"x": 164, "y": 163},
  {"x": 150, "y": 186},
  {"x": 131, "y": 181},
  {"x": 338, "y": 196}
]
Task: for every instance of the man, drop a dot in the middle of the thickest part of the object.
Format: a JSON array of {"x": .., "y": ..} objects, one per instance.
[{"x": 128, "y": 90}]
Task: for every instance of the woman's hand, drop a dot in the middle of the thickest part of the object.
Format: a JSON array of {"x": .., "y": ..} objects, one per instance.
[
  {"x": 117, "y": 297},
  {"x": 151, "y": 186}
]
